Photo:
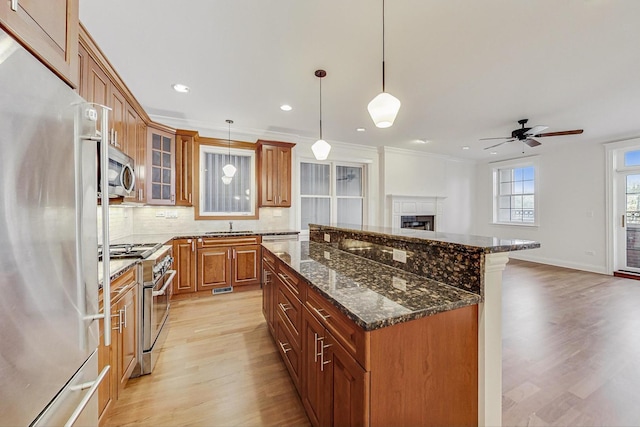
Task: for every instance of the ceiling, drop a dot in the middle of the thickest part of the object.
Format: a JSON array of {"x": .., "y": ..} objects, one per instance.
[{"x": 463, "y": 69}]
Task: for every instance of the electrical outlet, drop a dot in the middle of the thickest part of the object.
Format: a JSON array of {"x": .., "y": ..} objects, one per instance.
[
  {"x": 160, "y": 214},
  {"x": 171, "y": 214},
  {"x": 400, "y": 256},
  {"x": 327, "y": 237},
  {"x": 327, "y": 255},
  {"x": 277, "y": 213},
  {"x": 399, "y": 283}
]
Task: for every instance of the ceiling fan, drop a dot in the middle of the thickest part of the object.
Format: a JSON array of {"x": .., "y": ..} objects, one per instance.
[{"x": 528, "y": 135}]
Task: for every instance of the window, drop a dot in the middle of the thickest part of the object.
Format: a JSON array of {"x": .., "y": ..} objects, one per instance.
[
  {"x": 237, "y": 198},
  {"x": 515, "y": 195},
  {"x": 331, "y": 193}
]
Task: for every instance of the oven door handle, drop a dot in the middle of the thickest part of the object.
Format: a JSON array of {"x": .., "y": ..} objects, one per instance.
[{"x": 167, "y": 283}]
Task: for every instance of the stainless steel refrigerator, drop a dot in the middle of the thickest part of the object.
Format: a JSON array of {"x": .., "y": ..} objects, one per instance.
[{"x": 48, "y": 247}]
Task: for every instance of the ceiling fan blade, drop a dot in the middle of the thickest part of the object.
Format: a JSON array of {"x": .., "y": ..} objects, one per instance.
[
  {"x": 531, "y": 142},
  {"x": 499, "y": 144},
  {"x": 564, "y": 132},
  {"x": 501, "y": 137},
  {"x": 536, "y": 130}
]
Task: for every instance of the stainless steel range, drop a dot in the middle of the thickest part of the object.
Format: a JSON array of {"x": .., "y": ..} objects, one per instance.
[{"x": 157, "y": 276}]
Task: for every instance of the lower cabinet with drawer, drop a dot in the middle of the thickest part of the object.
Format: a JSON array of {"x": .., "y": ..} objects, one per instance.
[
  {"x": 122, "y": 354},
  {"x": 205, "y": 264},
  {"x": 420, "y": 372}
]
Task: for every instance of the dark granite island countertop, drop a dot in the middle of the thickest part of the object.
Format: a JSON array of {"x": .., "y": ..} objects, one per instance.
[
  {"x": 483, "y": 243},
  {"x": 371, "y": 294}
]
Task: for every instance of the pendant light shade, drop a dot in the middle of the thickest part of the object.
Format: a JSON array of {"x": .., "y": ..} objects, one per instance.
[
  {"x": 321, "y": 148},
  {"x": 384, "y": 108},
  {"x": 228, "y": 169}
]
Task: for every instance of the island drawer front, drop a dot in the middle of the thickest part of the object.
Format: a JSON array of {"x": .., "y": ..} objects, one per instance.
[
  {"x": 208, "y": 242},
  {"x": 353, "y": 338},
  {"x": 269, "y": 259},
  {"x": 290, "y": 279},
  {"x": 290, "y": 309},
  {"x": 289, "y": 352}
]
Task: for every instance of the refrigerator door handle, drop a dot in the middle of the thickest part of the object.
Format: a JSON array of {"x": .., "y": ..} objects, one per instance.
[{"x": 93, "y": 387}]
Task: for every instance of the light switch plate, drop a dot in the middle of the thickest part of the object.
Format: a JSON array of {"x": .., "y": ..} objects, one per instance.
[
  {"x": 327, "y": 255},
  {"x": 400, "y": 256},
  {"x": 327, "y": 237}
]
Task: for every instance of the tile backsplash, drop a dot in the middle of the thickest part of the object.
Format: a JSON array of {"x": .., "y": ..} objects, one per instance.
[{"x": 126, "y": 220}]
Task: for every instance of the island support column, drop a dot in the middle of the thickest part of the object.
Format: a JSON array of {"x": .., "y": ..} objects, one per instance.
[{"x": 490, "y": 342}]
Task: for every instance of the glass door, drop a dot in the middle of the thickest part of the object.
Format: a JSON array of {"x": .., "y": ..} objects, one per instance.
[{"x": 629, "y": 221}]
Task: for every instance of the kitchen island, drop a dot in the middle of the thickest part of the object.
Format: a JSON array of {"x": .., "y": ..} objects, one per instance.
[{"x": 412, "y": 338}]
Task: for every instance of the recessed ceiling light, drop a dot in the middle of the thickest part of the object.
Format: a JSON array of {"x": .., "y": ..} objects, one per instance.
[
  {"x": 422, "y": 141},
  {"x": 178, "y": 87},
  {"x": 466, "y": 147},
  {"x": 360, "y": 129},
  {"x": 286, "y": 107}
]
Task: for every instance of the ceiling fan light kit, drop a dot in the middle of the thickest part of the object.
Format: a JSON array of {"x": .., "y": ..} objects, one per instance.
[
  {"x": 384, "y": 108},
  {"x": 321, "y": 148},
  {"x": 528, "y": 135}
]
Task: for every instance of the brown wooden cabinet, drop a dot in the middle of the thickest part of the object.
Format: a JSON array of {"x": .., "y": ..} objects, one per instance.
[
  {"x": 185, "y": 144},
  {"x": 269, "y": 284},
  {"x": 335, "y": 386},
  {"x": 420, "y": 372},
  {"x": 184, "y": 254},
  {"x": 49, "y": 29},
  {"x": 160, "y": 179},
  {"x": 274, "y": 173},
  {"x": 228, "y": 262},
  {"x": 122, "y": 354}
]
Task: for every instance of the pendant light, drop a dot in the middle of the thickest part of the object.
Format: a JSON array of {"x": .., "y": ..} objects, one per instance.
[
  {"x": 384, "y": 108},
  {"x": 228, "y": 169},
  {"x": 321, "y": 148}
]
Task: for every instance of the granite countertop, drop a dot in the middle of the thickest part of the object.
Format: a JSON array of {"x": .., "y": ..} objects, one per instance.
[
  {"x": 117, "y": 268},
  {"x": 486, "y": 244},
  {"x": 371, "y": 294}
]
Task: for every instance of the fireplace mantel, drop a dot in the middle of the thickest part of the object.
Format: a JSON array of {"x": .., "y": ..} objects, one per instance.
[{"x": 399, "y": 205}]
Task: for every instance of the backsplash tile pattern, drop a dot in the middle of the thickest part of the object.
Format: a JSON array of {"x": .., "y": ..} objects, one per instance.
[{"x": 127, "y": 220}]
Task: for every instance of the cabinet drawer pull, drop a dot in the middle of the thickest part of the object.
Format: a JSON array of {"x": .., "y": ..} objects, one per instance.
[
  {"x": 284, "y": 350},
  {"x": 14, "y": 5},
  {"x": 319, "y": 310},
  {"x": 285, "y": 307},
  {"x": 315, "y": 347}
]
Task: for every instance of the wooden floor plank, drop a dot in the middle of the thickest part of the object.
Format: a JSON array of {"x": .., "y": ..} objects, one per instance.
[{"x": 571, "y": 343}]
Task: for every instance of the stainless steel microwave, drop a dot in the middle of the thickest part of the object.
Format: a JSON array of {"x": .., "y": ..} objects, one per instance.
[{"x": 121, "y": 176}]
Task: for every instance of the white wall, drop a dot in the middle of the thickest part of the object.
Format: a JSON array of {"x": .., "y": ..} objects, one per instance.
[
  {"x": 413, "y": 173},
  {"x": 571, "y": 208}
]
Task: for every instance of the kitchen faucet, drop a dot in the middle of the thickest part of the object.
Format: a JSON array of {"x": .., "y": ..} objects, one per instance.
[{"x": 230, "y": 225}]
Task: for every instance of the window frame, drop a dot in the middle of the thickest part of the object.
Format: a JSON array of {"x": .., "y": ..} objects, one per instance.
[
  {"x": 333, "y": 197},
  {"x": 222, "y": 147},
  {"x": 496, "y": 167}
]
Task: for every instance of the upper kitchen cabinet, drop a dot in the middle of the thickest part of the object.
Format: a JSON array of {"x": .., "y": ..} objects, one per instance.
[
  {"x": 185, "y": 142},
  {"x": 49, "y": 29},
  {"x": 274, "y": 172},
  {"x": 160, "y": 179}
]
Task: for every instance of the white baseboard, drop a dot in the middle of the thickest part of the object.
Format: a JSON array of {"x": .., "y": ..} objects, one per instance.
[{"x": 601, "y": 269}]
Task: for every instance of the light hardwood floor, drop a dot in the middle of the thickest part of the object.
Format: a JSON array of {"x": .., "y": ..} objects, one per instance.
[{"x": 571, "y": 356}]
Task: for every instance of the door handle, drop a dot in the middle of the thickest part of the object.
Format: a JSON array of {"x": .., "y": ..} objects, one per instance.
[{"x": 622, "y": 220}]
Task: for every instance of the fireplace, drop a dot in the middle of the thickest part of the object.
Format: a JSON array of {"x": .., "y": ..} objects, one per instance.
[{"x": 418, "y": 222}]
